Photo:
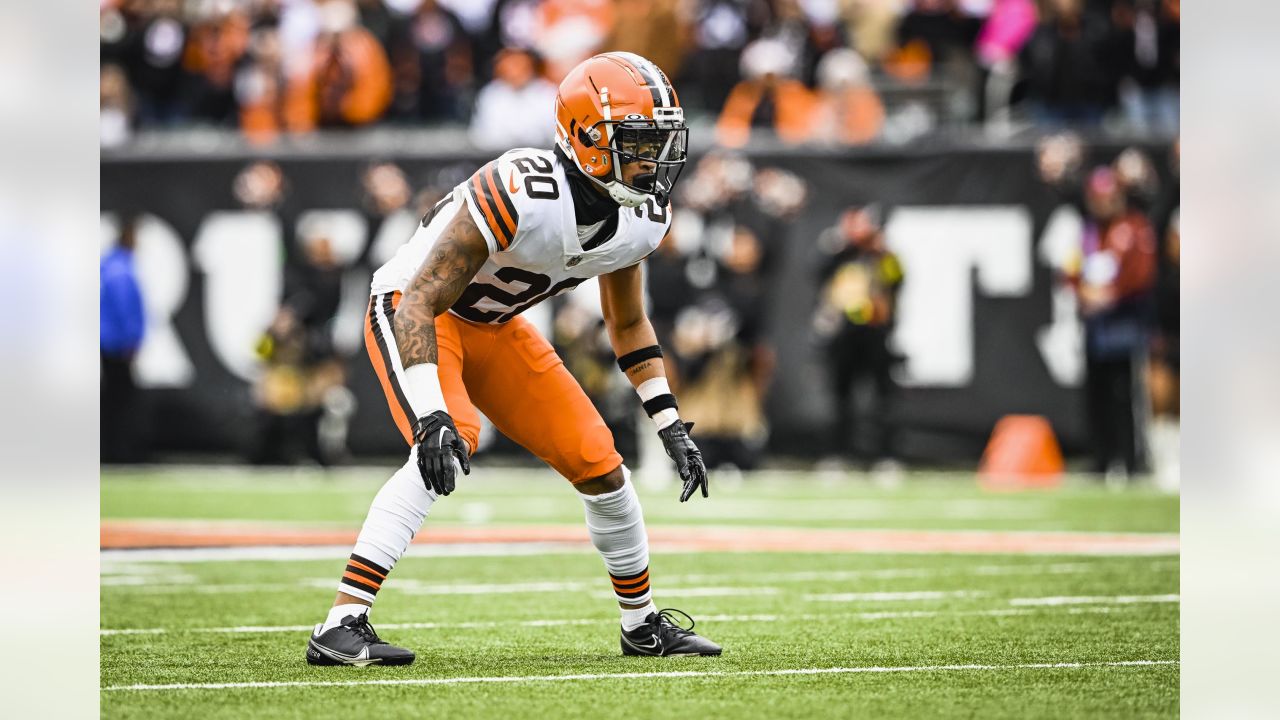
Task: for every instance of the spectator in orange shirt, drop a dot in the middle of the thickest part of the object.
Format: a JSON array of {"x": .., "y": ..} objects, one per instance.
[
  {"x": 219, "y": 39},
  {"x": 352, "y": 73},
  {"x": 850, "y": 112},
  {"x": 769, "y": 97},
  {"x": 655, "y": 29},
  {"x": 566, "y": 32},
  {"x": 270, "y": 100},
  {"x": 346, "y": 83}
]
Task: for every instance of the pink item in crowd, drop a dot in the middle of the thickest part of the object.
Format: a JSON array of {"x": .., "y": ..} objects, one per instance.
[{"x": 1006, "y": 30}]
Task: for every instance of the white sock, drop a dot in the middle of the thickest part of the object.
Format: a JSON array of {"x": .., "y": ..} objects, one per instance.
[
  {"x": 394, "y": 518},
  {"x": 632, "y": 619},
  {"x": 616, "y": 524},
  {"x": 338, "y": 613}
]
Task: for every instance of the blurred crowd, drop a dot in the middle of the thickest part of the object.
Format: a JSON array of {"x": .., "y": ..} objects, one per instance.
[{"x": 825, "y": 71}]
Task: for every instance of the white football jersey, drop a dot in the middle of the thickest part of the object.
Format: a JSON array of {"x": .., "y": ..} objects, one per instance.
[{"x": 523, "y": 206}]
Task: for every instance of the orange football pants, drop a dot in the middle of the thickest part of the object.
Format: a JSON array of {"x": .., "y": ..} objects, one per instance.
[{"x": 510, "y": 373}]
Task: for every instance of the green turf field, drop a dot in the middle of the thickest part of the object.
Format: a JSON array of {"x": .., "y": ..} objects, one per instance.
[{"x": 533, "y": 632}]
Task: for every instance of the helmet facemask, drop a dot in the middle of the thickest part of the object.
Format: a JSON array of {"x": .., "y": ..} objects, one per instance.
[{"x": 661, "y": 142}]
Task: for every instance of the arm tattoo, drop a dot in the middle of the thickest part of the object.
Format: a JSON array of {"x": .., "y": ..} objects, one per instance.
[{"x": 454, "y": 260}]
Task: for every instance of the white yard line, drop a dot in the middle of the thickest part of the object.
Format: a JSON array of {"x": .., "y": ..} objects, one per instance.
[
  {"x": 410, "y": 586},
  {"x": 890, "y": 596},
  {"x": 757, "y": 618},
  {"x": 814, "y": 510},
  {"x": 893, "y": 573},
  {"x": 227, "y": 588},
  {"x": 135, "y": 581},
  {"x": 639, "y": 676},
  {"x": 110, "y": 579},
  {"x": 332, "y": 552},
  {"x": 1095, "y": 600},
  {"x": 685, "y": 592}
]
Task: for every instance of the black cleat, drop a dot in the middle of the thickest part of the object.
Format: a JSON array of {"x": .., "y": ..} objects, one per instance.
[
  {"x": 659, "y": 635},
  {"x": 353, "y": 642}
]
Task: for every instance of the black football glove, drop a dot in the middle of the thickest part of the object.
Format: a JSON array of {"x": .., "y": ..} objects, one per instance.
[
  {"x": 675, "y": 438},
  {"x": 438, "y": 443}
]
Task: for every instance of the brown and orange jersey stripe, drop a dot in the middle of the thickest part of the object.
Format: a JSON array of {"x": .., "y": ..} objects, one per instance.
[{"x": 490, "y": 196}]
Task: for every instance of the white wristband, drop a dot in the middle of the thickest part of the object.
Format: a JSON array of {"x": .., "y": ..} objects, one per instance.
[
  {"x": 652, "y": 388},
  {"x": 665, "y": 418},
  {"x": 422, "y": 389}
]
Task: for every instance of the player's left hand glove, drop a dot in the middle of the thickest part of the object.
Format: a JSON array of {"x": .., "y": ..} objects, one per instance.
[{"x": 676, "y": 441}]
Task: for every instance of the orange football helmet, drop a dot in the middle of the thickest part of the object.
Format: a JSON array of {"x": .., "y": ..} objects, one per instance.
[{"x": 618, "y": 108}]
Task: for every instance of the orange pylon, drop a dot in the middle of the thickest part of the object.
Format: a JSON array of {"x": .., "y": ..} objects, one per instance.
[{"x": 1022, "y": 453}]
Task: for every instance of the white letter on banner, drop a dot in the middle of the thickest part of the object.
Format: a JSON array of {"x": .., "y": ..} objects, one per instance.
[
  {"x": 243, "y": 260},
  {"x": 1061, "y": 343},
  {"x": 940, "y": 247}
]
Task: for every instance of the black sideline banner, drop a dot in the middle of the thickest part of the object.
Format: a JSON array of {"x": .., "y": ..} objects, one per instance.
[{"x": 984, "y": 329}]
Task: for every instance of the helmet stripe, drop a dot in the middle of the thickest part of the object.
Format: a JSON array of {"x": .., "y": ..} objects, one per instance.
[
  {"x": 649, "y": 74},
  {"x": 664, "y": 86}
]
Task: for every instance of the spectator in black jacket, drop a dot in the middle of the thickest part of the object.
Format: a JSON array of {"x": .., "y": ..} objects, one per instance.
[
  {"x": 1070, "y": 66},
  {"x": 1148, "y": 36},
  {"x": 856, "y": 311}
]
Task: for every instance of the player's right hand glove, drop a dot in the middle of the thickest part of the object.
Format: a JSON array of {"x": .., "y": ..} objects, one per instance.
[
  {"x": 438, "y": 444},
  {"x": 679, "y": 446}
]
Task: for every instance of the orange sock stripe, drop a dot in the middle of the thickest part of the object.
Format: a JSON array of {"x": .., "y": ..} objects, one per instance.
[
  {"x": 642, "y": 580},
  {"x": 358, "y": 580},
  {"x": 631, "y": 587},
  {"x": 630, "y": 579},
  {"x": 362, "y": 566},
  {"x": 633, "y": 592}
]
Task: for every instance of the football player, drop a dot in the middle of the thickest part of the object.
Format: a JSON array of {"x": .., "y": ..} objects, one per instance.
[{"x": 446, "y": 338}]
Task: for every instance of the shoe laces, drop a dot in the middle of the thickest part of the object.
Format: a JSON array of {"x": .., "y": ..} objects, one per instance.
[
  {"x": 667, "y": 619},
  {"x": 364, "y": 630}
]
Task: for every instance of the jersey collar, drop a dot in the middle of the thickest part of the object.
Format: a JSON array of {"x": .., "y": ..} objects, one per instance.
[{"x": 589, "y": 205}]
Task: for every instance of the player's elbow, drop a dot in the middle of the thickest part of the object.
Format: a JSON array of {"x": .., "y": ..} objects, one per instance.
[{"x": 623, "y": 329}]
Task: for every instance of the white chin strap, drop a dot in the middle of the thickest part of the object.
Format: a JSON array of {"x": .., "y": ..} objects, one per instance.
[
  {"x": 624, "y": 195},
  {"x": 620, "y": 193}
]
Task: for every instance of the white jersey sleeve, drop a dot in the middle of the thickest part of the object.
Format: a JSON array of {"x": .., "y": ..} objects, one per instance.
[{"x": 507, "y": 197}]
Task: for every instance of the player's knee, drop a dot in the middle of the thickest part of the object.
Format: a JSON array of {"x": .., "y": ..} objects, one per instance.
[{"x": 609, "y": 482}]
